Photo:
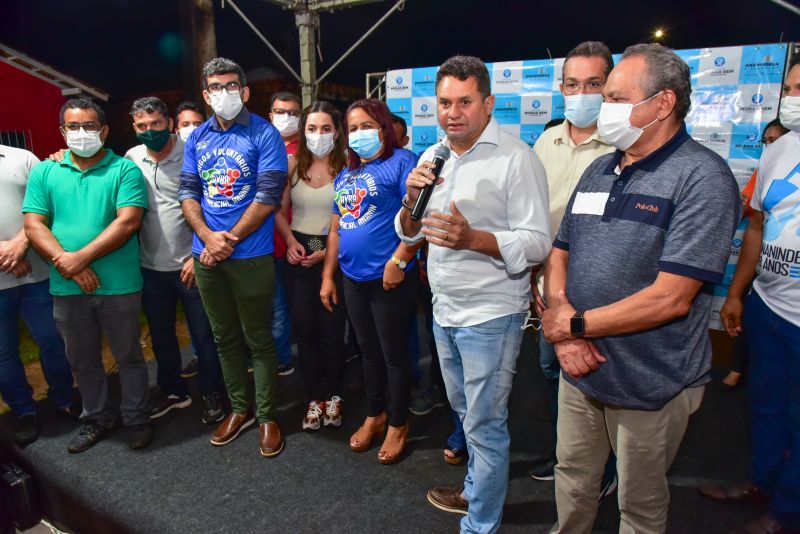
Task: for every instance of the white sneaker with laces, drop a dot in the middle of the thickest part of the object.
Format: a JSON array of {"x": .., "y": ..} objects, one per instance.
[
  {"x": 333, "y": 411},
  {"x": 313, "y": 415}
]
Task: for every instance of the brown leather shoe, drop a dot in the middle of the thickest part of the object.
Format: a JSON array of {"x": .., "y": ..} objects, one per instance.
[
  {"x": 448, "y": 500},
  {"x": 745, "y": 493},
  {"x": 270, "y": 438},
  {"x": 766, "y": 524},
  {"x": 229, "y": 429}
]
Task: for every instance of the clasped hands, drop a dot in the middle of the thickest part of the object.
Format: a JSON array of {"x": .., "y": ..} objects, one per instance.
[
  {"x": 578, "y": 357},
  {"x": 75, "y": 266},
  {"x": 218, "y": 247},
  {"x": 12, "y": 258}
]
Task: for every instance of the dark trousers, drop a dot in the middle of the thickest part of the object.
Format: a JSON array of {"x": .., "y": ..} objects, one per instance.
[
  {"x": 382, "y": 320},
  {"x": 319, "y": 333},
  {"x": 82, "y": 321},
  {"x": 160, "y": 296},
  {"x": 774, "y": 345},
  {"x": 238, "y": 296}
]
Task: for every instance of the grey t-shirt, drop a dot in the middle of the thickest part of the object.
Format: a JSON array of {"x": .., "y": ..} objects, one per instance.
[
  {"x": 15, "y": 165},
  {"x": 165, "y": 237},
  {"x": 674, "y": 211}
]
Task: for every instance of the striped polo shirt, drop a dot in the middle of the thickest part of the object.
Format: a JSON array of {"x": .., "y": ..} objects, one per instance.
[{"x": 673, "y": 211}]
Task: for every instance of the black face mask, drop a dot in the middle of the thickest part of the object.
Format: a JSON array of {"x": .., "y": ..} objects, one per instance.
[{"x": 155, "y": 140}]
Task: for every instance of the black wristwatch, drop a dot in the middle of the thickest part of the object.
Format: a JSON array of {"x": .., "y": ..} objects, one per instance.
[{"x": 576, "y": 325}]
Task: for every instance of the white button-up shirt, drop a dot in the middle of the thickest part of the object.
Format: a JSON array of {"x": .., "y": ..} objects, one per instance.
[{"x": 500, "y": 187}]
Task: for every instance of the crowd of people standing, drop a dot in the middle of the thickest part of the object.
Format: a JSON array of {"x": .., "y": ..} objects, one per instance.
[{"x": 297, "y": 224}]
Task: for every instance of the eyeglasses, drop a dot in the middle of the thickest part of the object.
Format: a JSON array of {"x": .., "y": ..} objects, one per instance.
[
  {"x": 290, "y": 112},
  {"x": 231, "y": 87},
  {"x": 572, "y": 88},
  {"x": 90, "y": 127}
]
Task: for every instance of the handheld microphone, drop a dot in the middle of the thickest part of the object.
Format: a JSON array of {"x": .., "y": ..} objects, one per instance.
[{"x": 440, "y": 155}]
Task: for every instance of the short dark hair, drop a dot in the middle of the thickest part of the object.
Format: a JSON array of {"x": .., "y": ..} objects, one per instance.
[
  {"x": 795, "y": 61},
  {"x": 377, "y": 110},
  {"x": 221, "y": 65},
  {"x": 775, "y": 123},
  {"x": 591, "y": 49},
  {"x": 665, "y": 70},
  {"x": 82, "y": 103},
  {"x": 397, "y": 119},
  {"x": 191, "y": 106},
  {"x": 462, "y": 67},
  {"x": 149, "y": 104},
  {"x": 286, "y": 96}
]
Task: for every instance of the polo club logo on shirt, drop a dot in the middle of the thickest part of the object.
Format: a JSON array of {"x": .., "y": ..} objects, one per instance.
[{"x": 221, "y": 178}]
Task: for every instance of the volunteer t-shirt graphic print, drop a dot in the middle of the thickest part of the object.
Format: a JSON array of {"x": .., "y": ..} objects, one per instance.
[{"x": 366, "y": 199}]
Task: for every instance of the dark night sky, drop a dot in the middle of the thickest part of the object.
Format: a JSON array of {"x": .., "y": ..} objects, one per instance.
[{"x": 128, "y": 47}]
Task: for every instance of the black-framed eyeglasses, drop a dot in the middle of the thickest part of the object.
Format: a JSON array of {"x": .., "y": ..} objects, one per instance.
[
  {"x": 572, "y": 88},
  {"x": 90, "y": 127},
  {"x": 231, "y": 87},
  {"x": 290, "y": 112}
]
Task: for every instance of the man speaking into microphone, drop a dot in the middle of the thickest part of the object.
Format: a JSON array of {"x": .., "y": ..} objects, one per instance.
[{"x": 487, "y": 224}]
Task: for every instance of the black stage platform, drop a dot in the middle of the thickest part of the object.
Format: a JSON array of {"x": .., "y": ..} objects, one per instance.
[{"x": 317, "y": 485}]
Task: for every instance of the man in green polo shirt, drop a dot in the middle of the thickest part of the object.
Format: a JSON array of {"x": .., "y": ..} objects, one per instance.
[{"x": 82, "y": 215}]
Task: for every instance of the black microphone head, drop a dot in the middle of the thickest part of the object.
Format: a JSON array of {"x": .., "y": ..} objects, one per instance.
[{"x": 442, "y": 152}]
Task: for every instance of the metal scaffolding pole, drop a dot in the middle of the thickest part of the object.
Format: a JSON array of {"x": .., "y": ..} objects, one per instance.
[{"x": 307, "y": 21}]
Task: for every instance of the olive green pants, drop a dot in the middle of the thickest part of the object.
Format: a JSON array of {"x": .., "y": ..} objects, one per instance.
[{"x": 238, "y": 297}]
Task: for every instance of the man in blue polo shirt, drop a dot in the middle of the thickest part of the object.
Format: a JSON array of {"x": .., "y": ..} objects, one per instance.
[
  {"x": 646, "y": 228},
  {"x": 234, "y": 173}
]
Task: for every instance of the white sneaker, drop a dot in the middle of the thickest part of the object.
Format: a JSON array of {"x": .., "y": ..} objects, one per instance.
[
  {"x": 311, "y": 420},
  {"x": 333, "y": 411}
]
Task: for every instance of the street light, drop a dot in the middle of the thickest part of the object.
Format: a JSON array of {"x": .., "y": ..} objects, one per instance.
[{"x": 658, "y": 34}]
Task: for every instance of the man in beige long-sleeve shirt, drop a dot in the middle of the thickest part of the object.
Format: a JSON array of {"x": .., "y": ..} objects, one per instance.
[{"x": 565, "y": 151}]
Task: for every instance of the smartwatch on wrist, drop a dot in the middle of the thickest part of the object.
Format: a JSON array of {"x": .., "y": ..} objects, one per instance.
[
  {"x": 576, "y": 325},
  {"x": 400, "y": 263}
]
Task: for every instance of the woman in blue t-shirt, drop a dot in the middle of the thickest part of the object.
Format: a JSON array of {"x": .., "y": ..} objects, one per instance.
[{"x": 380, "y": 276}]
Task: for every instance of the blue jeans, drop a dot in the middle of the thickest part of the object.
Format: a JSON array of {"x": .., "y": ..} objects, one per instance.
[
  {"x": 457, "y": 440},
  {"x": 478, "y": 365},
  {"x": 774, "y": 346},
  {"x": 281, "y": 322},
  {"x": 160, "y": 295},
  {"x": 35, "y": 304}
]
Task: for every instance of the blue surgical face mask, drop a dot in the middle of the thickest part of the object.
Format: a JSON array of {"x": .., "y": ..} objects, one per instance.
[
  {"x": 365, "y": 143},
  {"x": 582, "y": 109}
]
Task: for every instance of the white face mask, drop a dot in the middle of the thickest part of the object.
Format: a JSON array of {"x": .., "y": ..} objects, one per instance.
[
  {"x": 319, "y": 144},
  {"x": 790, "y": 112},
  {"x": 286, "y": 124},
  {"x": 185, "y": 131},
  {"x": 226, "y": 105},
  {"x": 84, "y": 144},
  {"x": 614, "y": 123}
]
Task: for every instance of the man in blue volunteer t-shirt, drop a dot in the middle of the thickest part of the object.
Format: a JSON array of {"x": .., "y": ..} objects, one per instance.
[{"x": 234, "y": 171}]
